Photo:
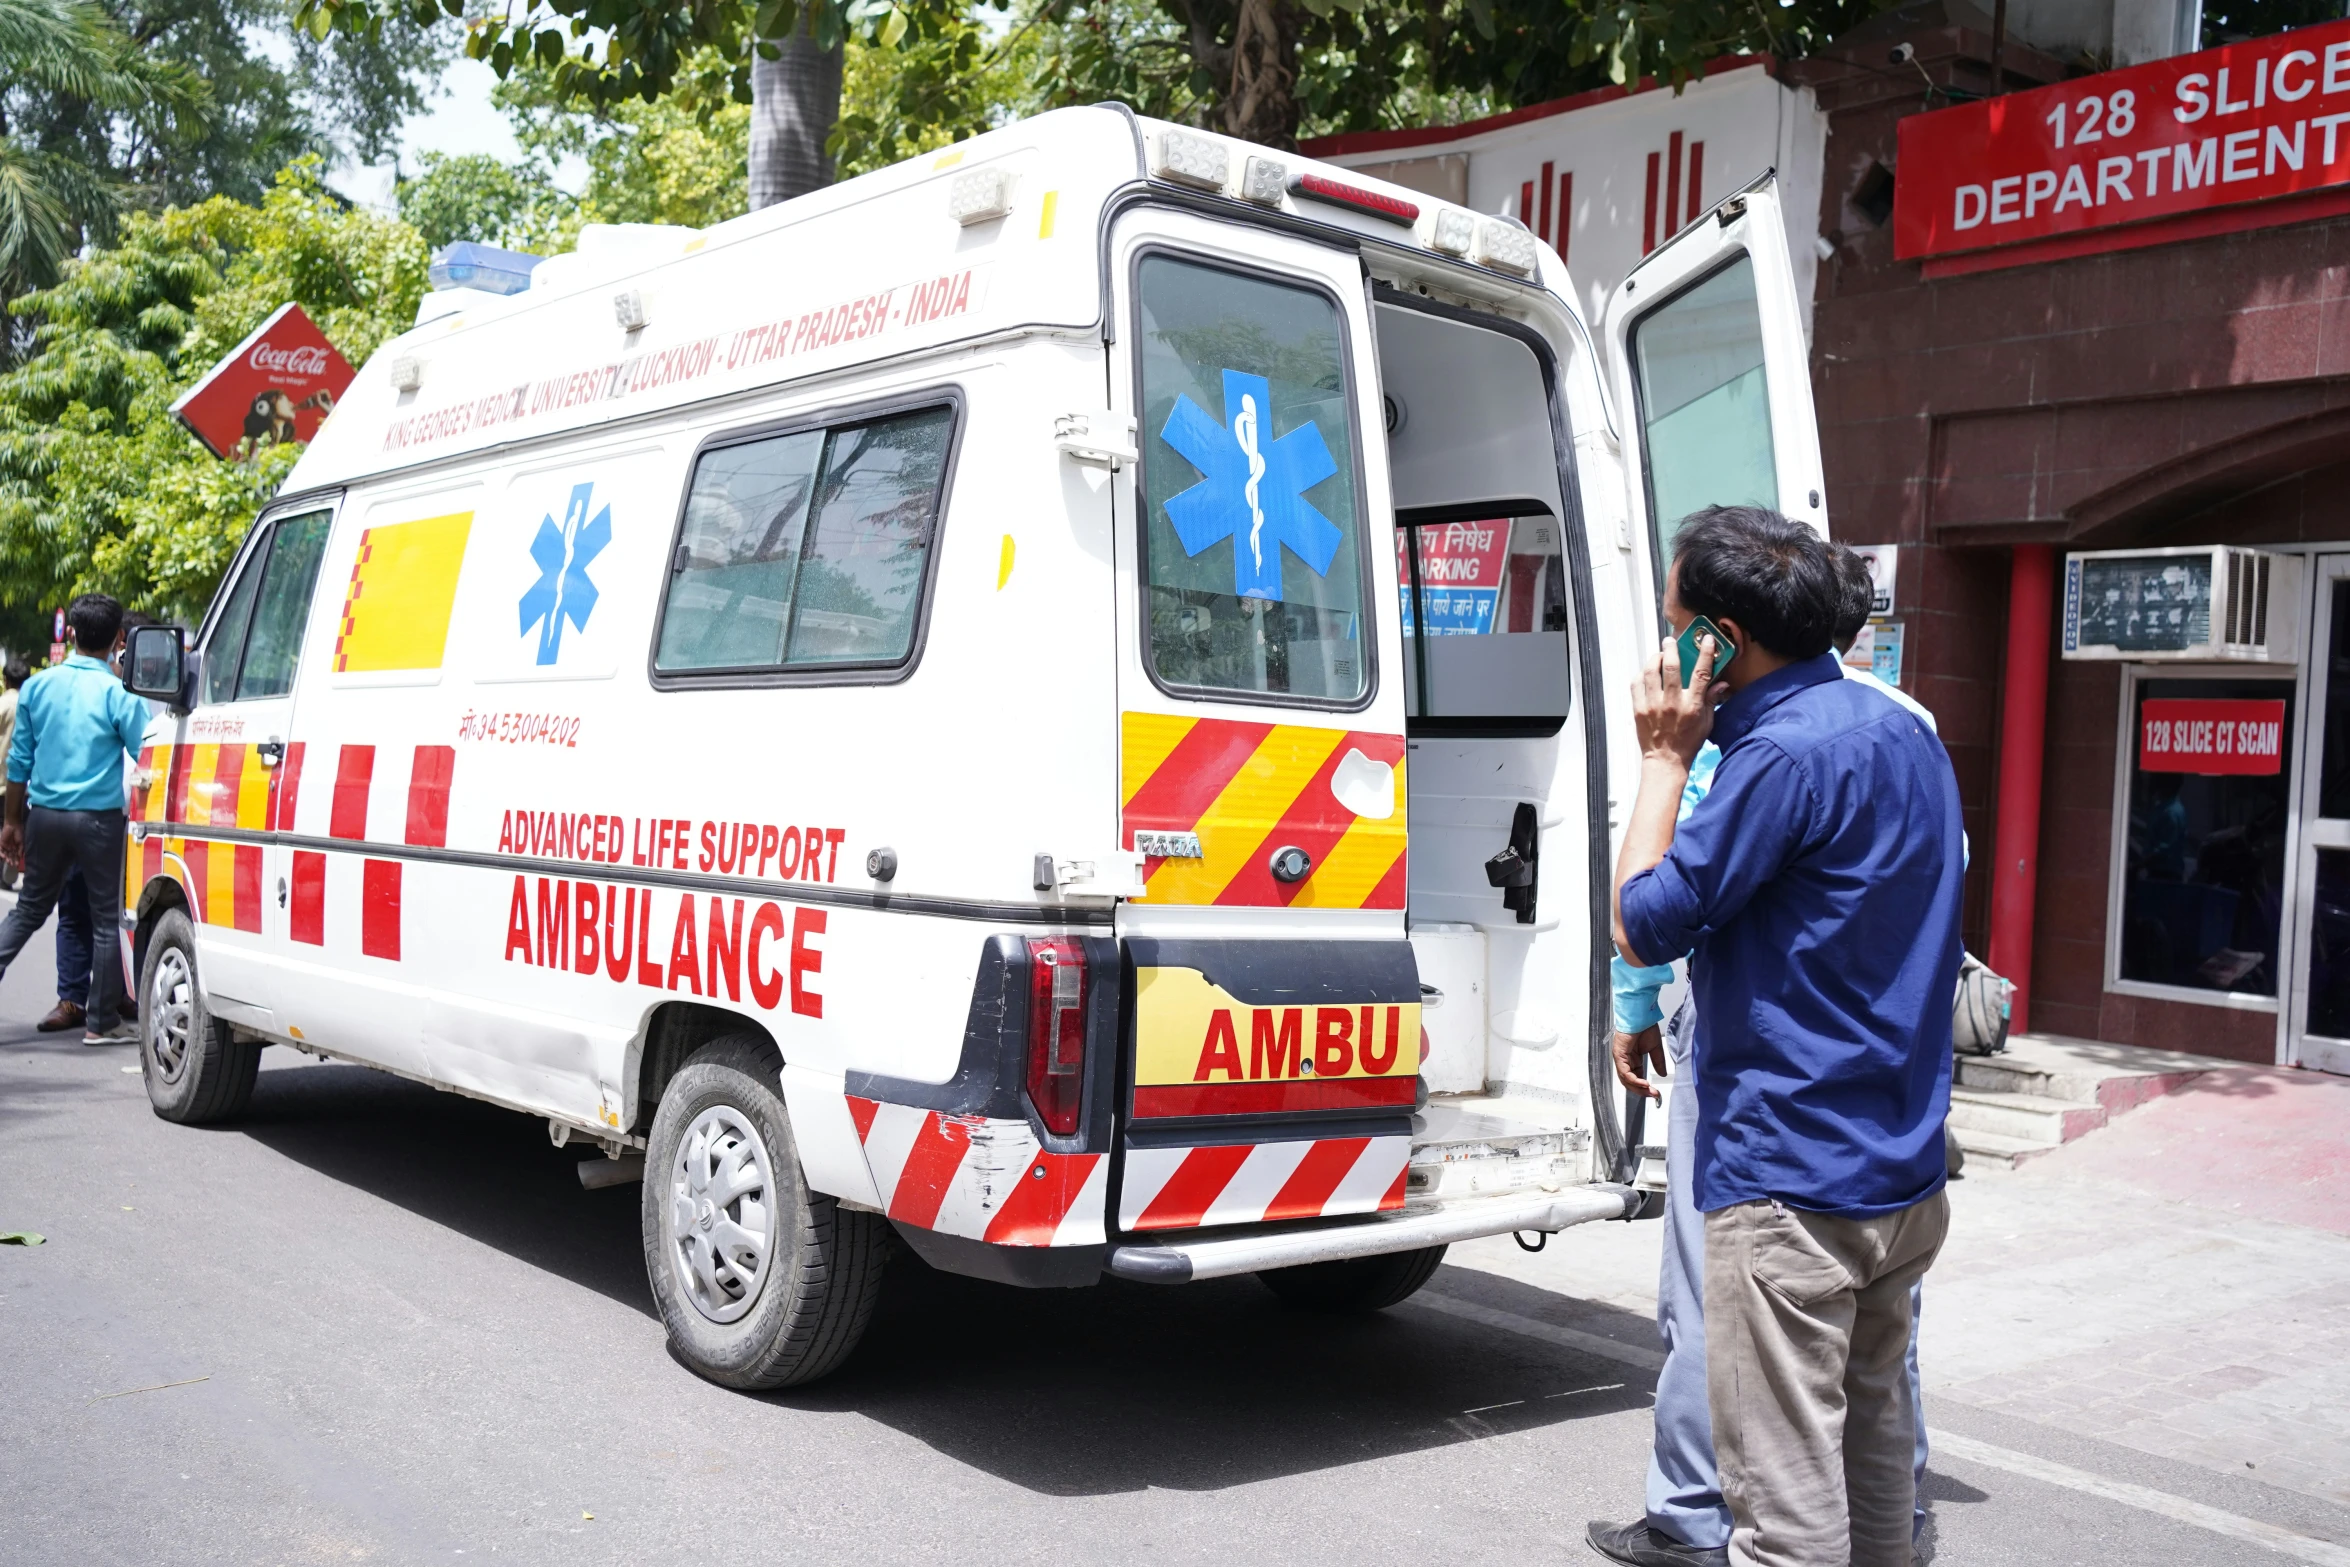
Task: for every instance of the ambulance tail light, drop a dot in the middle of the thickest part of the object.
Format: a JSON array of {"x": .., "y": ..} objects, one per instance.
[{"x": 1056, "y": 1032}]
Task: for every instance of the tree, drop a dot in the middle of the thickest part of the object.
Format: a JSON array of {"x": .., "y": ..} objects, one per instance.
[
  {"x": 48, "y": 199},
  {"x": 100, "y": 487}
]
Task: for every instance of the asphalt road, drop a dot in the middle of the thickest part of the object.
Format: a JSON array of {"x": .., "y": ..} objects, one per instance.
[{"x": 375, "y": 1323}]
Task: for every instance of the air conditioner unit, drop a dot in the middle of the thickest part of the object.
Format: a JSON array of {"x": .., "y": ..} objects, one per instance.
[{"x": 2206, "y": 603}]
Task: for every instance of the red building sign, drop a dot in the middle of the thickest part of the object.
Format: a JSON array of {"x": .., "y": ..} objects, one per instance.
[
  {"x": 2211, "y": 735},
  {"x": 277, "y": 385},
  {"x": 2250, "y": 122}
]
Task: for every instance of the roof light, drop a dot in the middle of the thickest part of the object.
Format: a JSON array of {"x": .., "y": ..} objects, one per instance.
[
  {"x": 407, "y": 373},
  {"x": 1264, "y": 181},
  {"x": 979, "y": 196},
  {"x": 1453, "y": 231},
  {"x": 1506, "y": 246},
  {"x": 628, "y": 308},
  {"x": 1318, "y": 187},
  {"x": 1192, "y": 160}
]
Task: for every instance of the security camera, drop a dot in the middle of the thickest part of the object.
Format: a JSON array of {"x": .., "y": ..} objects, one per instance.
[{"x": 1903, "y": 53}]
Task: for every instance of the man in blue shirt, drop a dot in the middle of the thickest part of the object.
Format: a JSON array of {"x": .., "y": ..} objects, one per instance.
[
  {"x": 65, "y": 800},
  {"x": 1819, "y": 890},
  {"x": 1685, "y": 1522}
]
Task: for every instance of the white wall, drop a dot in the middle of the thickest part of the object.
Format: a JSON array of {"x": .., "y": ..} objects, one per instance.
[{"x": 1731, "y": 126}]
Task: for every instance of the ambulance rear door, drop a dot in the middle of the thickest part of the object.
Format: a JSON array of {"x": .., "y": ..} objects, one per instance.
[
  {"x": 1273, "y": 1047},
  {"x": 1710, "y": 368}
]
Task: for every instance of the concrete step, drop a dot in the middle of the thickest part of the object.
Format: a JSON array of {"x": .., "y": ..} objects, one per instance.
[
  {"x": 1992, "y": 1148},
  {"x": 2033, "y": 1118},
  {"x": 2082, "y": 1071}
]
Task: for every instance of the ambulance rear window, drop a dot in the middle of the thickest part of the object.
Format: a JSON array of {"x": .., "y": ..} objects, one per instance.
[
  {"x": 1251, "y": 531},
  {"x": 806, "y": 550}
]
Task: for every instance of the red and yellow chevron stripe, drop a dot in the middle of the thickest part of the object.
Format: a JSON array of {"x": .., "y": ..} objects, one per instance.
[
  {"x": 203, "y": 785},
  {"x": 1248, "y": 789}
]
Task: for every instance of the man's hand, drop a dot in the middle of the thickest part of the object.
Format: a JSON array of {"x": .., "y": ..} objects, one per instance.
[
  {"x": 12, "y": 845},
  {"x": 1632, "y": 1051},
  {"x": 1672, "y": 720}
]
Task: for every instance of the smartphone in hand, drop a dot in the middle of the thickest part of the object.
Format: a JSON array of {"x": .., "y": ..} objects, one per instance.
[{"x": 1724, "y": 649}]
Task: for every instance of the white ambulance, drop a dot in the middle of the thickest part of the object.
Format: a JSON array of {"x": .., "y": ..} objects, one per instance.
[{"x": 1060, "y": 702}]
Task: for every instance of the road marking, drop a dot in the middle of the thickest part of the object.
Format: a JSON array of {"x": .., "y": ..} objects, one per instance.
[
  {"x": 1947, "y": 1444},
  {"x": 1548, "y": 1332},
  {"x": 2301, "y": 1546},
  {"x": 157, "y": 1388}
]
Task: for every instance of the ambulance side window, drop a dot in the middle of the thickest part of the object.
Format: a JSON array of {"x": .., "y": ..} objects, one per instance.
[
  {"x": 807, "y": 550},
  {"x": 282, "y": 611},
  {"x": 226, "y": 645},
  {"x": 256, "y": 640},
  {"x": 1252, "y": 530},
  {"x": 1705, "y": 412}
]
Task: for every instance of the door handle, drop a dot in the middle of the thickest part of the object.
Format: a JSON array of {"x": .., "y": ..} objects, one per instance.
[{"x": 271, "y": 752}]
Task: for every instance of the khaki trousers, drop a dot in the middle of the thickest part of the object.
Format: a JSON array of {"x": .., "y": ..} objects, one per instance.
[{"x": 1807, "y": 1333}]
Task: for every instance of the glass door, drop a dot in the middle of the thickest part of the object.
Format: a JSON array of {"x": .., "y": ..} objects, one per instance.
[{"x": 2317, "y": 1013}]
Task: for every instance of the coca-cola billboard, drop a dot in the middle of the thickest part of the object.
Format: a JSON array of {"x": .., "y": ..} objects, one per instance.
[{"x": 277, "y": 385}]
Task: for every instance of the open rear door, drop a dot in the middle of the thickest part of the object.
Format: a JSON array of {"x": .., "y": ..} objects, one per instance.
[{"x": 1707, "y": 350}]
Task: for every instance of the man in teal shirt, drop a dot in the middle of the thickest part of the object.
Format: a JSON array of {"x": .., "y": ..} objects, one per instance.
[{"x": 65, "y": 800}]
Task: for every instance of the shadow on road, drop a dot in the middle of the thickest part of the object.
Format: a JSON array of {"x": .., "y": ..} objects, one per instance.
[
  {"x": 1065, "y": 1392},
  {"x": 489, "y": 1174},
  {"x": 1125, "y": 1387}
]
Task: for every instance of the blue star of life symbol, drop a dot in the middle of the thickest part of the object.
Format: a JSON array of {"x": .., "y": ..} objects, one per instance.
[
  {"x": 1253, "y": 492},
  {"x": 563, "y": 591}
]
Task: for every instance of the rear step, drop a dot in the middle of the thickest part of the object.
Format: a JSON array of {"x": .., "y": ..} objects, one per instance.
[
  {"x": 1483, "y": 1145},
  {"x": 1286, "y": 1246}
]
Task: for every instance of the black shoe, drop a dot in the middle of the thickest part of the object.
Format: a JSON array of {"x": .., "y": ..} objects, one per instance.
[{"x": 1637, "y": 1545}]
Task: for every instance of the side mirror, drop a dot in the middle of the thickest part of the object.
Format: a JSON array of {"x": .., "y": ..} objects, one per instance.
[{"x": 155, "y": 665}]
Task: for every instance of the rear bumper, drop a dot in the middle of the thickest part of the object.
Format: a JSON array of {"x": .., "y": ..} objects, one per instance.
[{"x": 1182, "y": 1261}]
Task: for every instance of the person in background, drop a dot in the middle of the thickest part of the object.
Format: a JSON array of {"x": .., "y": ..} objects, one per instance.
[
  {"x": 12, "y": 676},
  {"x": 1687, "y": 1524},
  {"x": 75, "y": 943},
  {"x": 1860, "y": 597},
  {"x": 1819, "y": 886},
  {"x": 65, "y": 800}
]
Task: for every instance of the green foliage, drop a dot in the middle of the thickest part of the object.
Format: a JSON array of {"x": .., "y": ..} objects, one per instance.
[
  {"x": 473, "y": 196},
  {"x": 100, "y": 487},
  {"x": 70, "y": 50},
  {"x": 939, "y": 78}
]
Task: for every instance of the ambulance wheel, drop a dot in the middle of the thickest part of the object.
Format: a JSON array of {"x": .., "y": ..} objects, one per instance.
[
  {"x": 197, "y": 1071},
  {"x": 1357, "y": 1284},
  {"x": 761, "y": 1282}
]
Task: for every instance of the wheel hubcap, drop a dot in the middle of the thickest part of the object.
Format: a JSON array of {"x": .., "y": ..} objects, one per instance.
[
  {"x": 170, "y": 1014},
  {"x": 722, "y": 1213}
]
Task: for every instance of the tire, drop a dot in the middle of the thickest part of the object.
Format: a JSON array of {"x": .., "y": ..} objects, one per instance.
[
  {"x": 799, "y": 1312},
  {"x": 197, "y": 1071},
  {"x": 1355, "y": 1285}
]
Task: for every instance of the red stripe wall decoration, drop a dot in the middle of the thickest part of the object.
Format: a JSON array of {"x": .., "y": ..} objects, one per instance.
[
  {"x": 1696, "y": 179},
  {"x": 1566, "y": 212},
  {"x": 1544, "y": 228},
  {"x": 1648, "y": 209},
  {"x": 1672, "y": 184}
]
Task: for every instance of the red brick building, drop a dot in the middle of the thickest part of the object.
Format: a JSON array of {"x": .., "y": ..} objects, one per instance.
[{"x": 2169, "y": 383}]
